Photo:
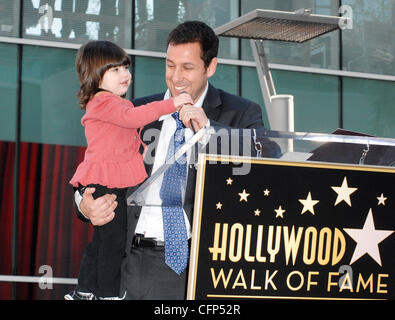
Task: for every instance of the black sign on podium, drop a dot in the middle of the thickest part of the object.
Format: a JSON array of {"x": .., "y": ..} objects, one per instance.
[
  {"x": 293, "y": 230},
  {"x": 301, "y": 225}
]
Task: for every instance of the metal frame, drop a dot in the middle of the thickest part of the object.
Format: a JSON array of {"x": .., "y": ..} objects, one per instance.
[
  {"x": 298, "y": 26},
  {"x": 242, "y": 63},
  {"x": 242, "y": 27}
]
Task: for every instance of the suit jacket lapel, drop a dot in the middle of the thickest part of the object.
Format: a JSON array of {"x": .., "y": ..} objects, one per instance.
[
  {"x": 211, "y": 103},
  {"x": 210, "y": 107}
]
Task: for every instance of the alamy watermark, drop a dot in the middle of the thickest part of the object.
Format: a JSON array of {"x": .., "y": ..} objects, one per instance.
[
  {"x": 346, "y": 17},
  {"x": 46, "y": 280},
  {"x": 46, "y": 19},
  {"x": 232, "y": 143},
  {"x": 346, "y": 280}
]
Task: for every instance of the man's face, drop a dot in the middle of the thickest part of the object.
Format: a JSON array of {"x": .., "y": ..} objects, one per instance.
[{"x": 185, "y": 70}]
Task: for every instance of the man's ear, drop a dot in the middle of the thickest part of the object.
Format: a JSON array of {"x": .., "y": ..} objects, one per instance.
[{"x": 212, "y": 67}]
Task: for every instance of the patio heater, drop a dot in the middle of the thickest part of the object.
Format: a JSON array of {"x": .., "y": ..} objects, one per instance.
[{"x": 298, "y": 26}]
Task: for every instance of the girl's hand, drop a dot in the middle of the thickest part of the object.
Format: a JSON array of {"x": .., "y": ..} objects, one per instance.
[{"x": 181, "y": 100}]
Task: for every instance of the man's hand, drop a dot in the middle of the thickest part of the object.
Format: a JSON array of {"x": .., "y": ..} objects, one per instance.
[
  {"x": 190, "y": 113},
  {"x": 101, "y": 210},
  {"x": 181, "y": 100}
]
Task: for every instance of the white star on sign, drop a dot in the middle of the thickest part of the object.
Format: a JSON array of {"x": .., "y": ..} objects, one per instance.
[
  {"x": 279, "y": 212},
  {"x": 344, "y": 192},
  {"x": 308, "y": 204},
  {"x": 243, "y": 195},
  {"x": 381, "y": 200},
  {"x": 367, "y": 239}
]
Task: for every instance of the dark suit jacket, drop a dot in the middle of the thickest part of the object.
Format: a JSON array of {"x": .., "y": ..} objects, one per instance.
[{"x": 224, "y": 110}]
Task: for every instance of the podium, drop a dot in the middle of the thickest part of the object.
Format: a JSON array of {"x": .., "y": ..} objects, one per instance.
[{"x": 315, "y": 223}]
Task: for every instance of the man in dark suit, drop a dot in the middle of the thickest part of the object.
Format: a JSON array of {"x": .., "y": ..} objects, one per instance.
[{"x": 191, "y": 60}]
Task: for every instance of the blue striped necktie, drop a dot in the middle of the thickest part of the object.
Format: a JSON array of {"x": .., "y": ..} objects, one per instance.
[{"x": 174, "y": 180}]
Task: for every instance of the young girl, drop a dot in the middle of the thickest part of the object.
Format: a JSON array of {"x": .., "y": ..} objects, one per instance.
[{"x": 112, "y": 160}]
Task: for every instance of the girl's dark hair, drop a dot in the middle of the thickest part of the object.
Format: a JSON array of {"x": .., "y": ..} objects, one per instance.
[
  {"x": 196, "y": 31},
  {"x": 93, "y": 60}
]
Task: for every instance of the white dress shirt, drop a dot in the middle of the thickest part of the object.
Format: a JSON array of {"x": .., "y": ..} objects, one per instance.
[{"x": 150, "y": 223}]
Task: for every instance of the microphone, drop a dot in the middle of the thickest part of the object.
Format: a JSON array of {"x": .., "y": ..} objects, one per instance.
[{"x": 190, "y": 121}]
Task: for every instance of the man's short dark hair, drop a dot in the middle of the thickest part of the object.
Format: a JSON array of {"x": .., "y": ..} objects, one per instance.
[{"x": 196, "y": 31}]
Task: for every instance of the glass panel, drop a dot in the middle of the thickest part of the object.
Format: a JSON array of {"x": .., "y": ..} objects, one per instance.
[
  {"x": 370, "y": 45},
  {"x": 369, "y": 106},
  {"x": 8, "y": 91},
  {"x": 9, "y": 18},
  {"x": 221, "y": 78},
  {"x": 321, "y": 52},
  {"x": 50, "y": 112},
  {"x": 149, "y": 76},
  {"x": 316, "y": 99},
  {"x": 79, "y": 21},
  {"x": 155, "y": 19}
]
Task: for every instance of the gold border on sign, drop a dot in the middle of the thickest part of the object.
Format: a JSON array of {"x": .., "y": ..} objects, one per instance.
[
  {"x": 193, "y": 261},
  {"x": 315, "y": 164},
  {"x": 283, "y": 297},
  {"x": 197, "y": 214}
]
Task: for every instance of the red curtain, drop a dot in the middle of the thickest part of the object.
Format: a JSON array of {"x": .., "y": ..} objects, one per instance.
[
  {"x": 49, "y": 232},
  {"x": 7, "y": 157}
]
